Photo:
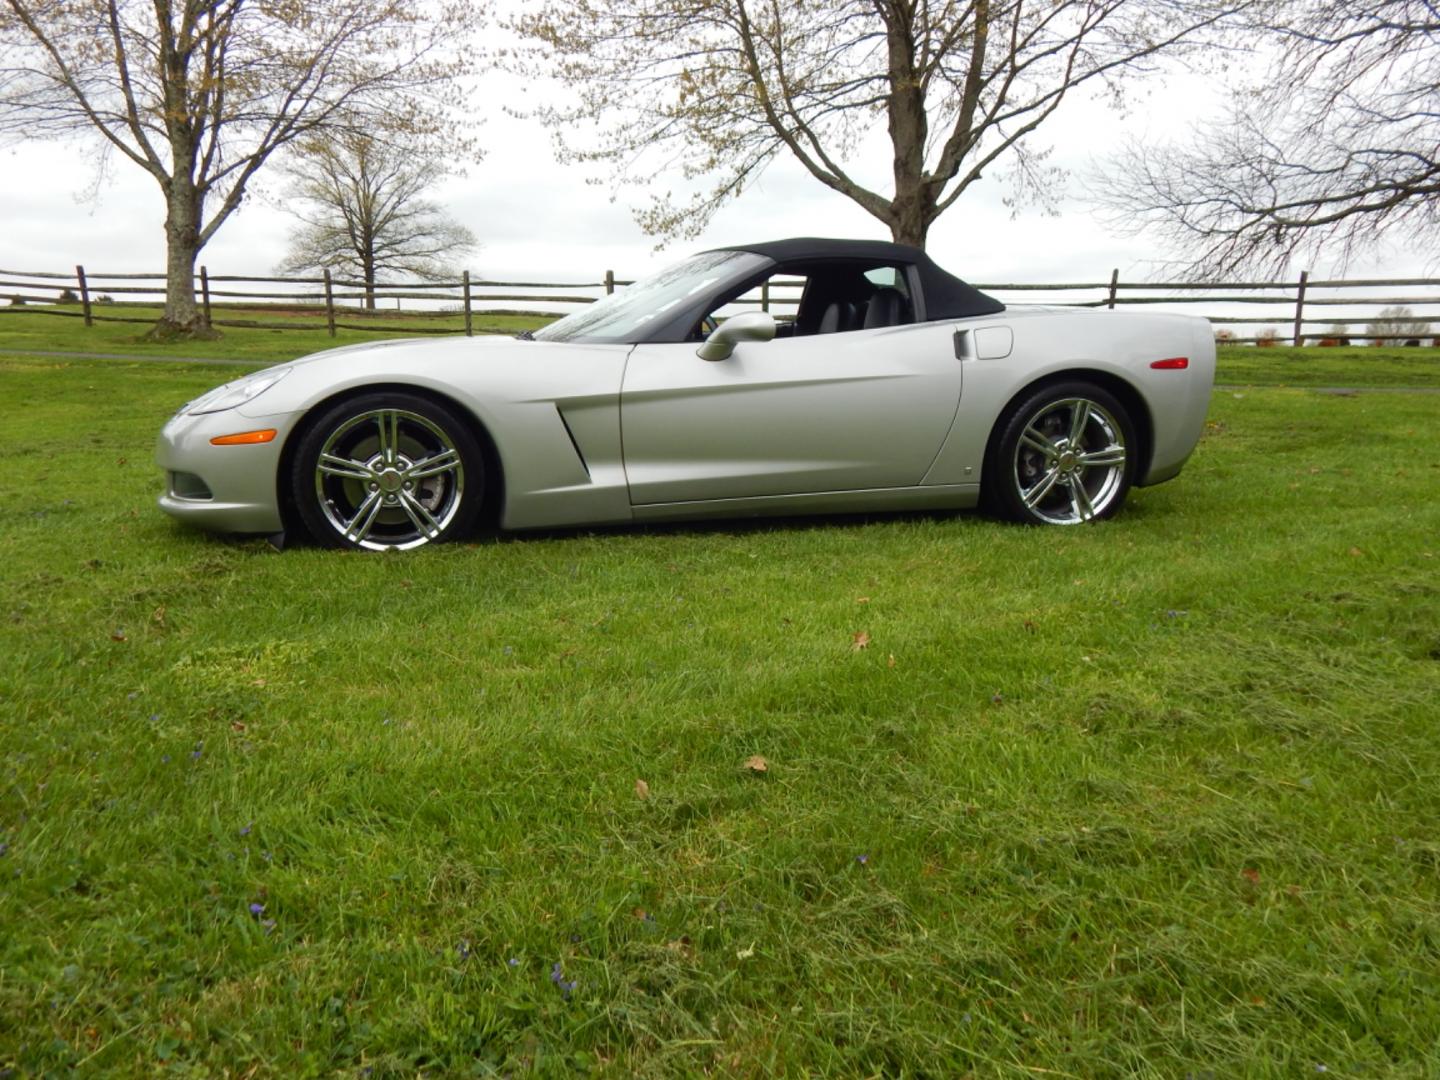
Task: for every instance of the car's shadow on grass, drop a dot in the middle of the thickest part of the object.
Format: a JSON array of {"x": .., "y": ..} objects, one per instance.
[{"x": 732, "y": 527}]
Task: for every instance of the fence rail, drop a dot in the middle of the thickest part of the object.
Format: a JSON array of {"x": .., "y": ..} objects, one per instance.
[{"x": 332, "y": 303}]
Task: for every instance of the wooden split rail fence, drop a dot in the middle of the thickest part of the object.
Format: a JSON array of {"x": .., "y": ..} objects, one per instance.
[{"x": 1303, "y": 306}]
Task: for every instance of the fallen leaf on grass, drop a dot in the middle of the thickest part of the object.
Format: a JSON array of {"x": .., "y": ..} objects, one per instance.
[
  {"x": 862, "y": 599},
  {"x": 117, "y": 635},
  {"x": 997, "y": 698},
  {"x": 642, "y": 789},
  {"x": 681, "y": 945},
  {"x": 1355, "y": 552},
  {"x": 237, "y": 726},
  {"x": 861, "y": 640},
  {"x": 890, "y": 662},
  {"x": 757, "y": 764},
  {"x": 1251, "y": 875}
]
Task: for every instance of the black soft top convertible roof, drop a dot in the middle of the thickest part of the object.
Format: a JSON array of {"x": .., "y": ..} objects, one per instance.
[{"x": 946, "y": 296}]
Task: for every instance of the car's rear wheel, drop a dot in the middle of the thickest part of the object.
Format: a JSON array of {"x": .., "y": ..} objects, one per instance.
[
  {"x": 1065, "y": 455},
  {"x": 387, "y": 471}
]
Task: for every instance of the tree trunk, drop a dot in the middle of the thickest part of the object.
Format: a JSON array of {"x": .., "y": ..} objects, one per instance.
[
  {"x": 907, "y": 226},
  {"x": 369, "y": 266},
  {"x": 909, "y": 130},
  {"x": 182, "y": 317}
]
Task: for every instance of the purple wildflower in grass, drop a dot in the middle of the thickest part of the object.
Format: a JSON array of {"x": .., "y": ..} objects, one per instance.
[
  {"x": 557, "y": 976},
  {"x": 245, "y": 829},
  {"x": 199, "y": 749},
  {"x": 514, "y": 961},
  {"x": 164, "y": 759},
  {"x": 862, "y": 859},
  {"x": 257, "y": 909},
  {"x": 154, "y": 717},
  {"x": 463, "y": 949}
]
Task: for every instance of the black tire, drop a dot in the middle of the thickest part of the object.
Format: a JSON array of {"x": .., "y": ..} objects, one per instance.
[
  {"x": 1034, "y": 475},
  {"x": 399, "y": 471}
]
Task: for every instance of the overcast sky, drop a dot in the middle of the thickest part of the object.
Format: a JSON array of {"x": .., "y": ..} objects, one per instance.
[{"x": 537, "y": 219}]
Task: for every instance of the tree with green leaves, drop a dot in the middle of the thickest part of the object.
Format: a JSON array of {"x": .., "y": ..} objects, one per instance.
[
  {"x": 363, "y": 213},
  {"x": 202, "y": 93},
  {"x": 719, "y": 88}
]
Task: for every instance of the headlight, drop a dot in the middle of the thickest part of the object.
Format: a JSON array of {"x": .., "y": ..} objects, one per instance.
[{"x": 236, "y": 393}]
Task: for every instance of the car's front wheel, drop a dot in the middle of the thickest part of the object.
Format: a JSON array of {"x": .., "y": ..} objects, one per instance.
[
  {"x": 387, "y": 471},
  {"x": 1065, "y": 455}
]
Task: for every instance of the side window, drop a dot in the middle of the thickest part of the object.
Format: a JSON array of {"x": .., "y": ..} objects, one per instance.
[
  {"x": 841, "y": 297},
  {"x": 823, "y": 298},
  {"x": 779, "y": 294}
]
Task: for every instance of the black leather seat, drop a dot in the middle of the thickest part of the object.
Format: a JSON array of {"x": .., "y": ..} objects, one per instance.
[
  {"x": 887, "y": 307},
  {"x": 838, "y": 317}
]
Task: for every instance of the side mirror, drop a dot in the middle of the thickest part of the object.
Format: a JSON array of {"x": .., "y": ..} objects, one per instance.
[{"x": 751, "y": 326}]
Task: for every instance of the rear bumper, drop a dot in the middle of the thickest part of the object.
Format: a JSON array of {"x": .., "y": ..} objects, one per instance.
[{"x": 1184, "y": 398}]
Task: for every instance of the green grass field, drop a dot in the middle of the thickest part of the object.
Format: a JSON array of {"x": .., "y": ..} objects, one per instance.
[
  {"x": 1157, "y": 798},
  {"x": 30, "y": 328},
  {"x": 22, "y": 329}
]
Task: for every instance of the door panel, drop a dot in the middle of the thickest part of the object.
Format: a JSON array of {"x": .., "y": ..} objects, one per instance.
[{"x": 828, "y": 412}]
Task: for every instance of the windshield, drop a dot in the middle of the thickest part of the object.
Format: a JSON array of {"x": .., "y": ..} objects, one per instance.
[{"x": 627, "y": 315}]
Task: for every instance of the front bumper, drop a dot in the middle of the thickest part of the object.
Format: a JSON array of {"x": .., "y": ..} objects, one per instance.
[{"x": 222, "y": 488}]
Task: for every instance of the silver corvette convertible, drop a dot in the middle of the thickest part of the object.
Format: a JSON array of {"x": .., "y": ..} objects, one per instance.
[{"x": 894, "y": 386}]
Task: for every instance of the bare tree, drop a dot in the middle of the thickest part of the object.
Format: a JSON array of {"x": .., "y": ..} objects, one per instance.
[
  {"x": 1336, "y": 149},
  {"x": 362, "y": 211},
  {"x": 1397, "y": 324},
  {"x": 201, "y": 93},
  {"x": 719, "y": 88}
]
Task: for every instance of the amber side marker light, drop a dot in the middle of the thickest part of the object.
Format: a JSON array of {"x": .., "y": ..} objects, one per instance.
[
  {"x": 1175, "y": 363},
  {"x": 243, "y": 438}
]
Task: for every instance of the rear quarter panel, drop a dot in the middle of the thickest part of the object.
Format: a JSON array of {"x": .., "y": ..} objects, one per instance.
[{"x": 1055, "y": 343}]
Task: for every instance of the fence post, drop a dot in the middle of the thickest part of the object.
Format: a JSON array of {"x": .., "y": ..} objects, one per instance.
[
  {"x": 469, "y": 328},
  {"x": 84, "y": 294},
  {"x": 1300, "y": 308},
  {"x": 765, "y": 296},
  {"x": 329, "y": 304},
  {"x": 205, "y": 294},
  {"x": 609, "y": 282},
  {"x": 1114, "y": 284}
]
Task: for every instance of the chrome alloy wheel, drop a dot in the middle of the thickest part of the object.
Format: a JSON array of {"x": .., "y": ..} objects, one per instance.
[
  {"x": 1070, "y": 461},
  {"x": 389, "y": 478}
]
